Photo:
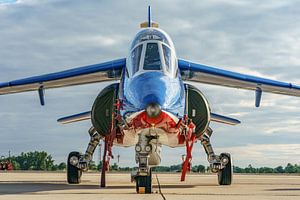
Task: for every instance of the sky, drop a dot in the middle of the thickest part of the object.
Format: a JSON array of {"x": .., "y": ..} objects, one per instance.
[{"x": 248, "y": 36}]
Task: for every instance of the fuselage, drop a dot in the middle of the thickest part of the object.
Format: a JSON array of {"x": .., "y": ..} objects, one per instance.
[{"x": 152, "y": 77}]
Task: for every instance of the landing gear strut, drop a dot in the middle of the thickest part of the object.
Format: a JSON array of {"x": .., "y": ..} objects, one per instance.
[
  {"x": 221, "y": 164},
  {"x": 143, "y": 177},
  {"x": 77, "y": 163}
]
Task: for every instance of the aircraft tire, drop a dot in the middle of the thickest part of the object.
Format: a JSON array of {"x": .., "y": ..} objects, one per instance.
[
  {"x": 73, "y": 173},
  {"x": 225, "y": 175},
  {"x": 144, "y": 184}
]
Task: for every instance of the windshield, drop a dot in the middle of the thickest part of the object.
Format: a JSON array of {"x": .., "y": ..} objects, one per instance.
[
  {"x": 152, "y": 57},
  {"x": 135, "y": 58},
  {"x": 168, "y": 58}
]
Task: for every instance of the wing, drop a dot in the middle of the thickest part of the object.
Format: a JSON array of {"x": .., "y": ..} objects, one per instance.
[
  {"x": 87, "y": 115},
  {"x": 205, "y": 74},
  {"x": 107, "y": 71},
  {"x": 223, "y": 119},
  {"x": 75, "y": 118}
]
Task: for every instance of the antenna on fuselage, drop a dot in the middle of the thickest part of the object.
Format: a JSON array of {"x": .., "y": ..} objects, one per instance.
[
  {"x": 149, "y": 16},
  {"x": 149, "y": 23}
]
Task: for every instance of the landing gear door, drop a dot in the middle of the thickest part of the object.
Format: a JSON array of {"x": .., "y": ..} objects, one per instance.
[
  {"x": 103, "y": 109},
  {"x": 197, "y": 108}
]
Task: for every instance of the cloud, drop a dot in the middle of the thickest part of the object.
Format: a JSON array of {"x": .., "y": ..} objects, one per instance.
[{"x": 249, "y": 36}]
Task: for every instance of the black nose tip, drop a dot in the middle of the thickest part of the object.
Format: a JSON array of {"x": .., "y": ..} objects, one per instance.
[{"x": 153, "y": 110}]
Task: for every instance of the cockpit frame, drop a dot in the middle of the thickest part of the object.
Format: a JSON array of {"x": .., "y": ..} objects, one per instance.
[
  {"x": 166, "y": 68},
  {"x": 138, "y": 53}
]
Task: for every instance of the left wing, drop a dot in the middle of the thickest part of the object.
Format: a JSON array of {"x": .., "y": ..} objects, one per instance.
[
  {"x": 211, "y": 75},
  {"x": 107, "y": 71},
  {"x": 75, "y": 118},
  {"x": 223, "y": 119}
]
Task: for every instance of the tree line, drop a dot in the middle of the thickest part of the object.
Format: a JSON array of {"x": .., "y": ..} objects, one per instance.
[
  {"x": 289, "y": 168},
  {"x": 41, "y": 160},
  {"x": 36, "y": 160}
]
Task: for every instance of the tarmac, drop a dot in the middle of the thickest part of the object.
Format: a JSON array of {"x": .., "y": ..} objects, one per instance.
[{"x": 52, "y": 185}]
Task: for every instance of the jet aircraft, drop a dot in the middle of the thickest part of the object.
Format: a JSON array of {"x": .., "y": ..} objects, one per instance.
[{"x": 150, "y": 106}]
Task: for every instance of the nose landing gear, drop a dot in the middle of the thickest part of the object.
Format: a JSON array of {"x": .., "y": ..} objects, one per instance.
[
  {"x": 144, "y": 183},
  {"x": 145, "y": 157}
]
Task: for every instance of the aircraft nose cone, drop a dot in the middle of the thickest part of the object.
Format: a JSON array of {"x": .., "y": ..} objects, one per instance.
[
  {"x": 153, "y": 87},
  {"x": 152, "y": 98}
]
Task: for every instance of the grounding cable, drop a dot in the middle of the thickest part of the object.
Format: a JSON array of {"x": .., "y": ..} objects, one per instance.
[{"x": 159, "y": 189}]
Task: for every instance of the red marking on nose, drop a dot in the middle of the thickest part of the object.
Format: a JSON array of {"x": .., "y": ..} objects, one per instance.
[{"x": 163, "y": 121}]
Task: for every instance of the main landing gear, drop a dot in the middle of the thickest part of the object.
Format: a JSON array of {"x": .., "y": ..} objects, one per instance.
[
  {"x": 73, "y": 173},
  {"x": 78, "y": 163},
  {"x": 225, "y": 174},
  {"x": 221, "y": 164}
]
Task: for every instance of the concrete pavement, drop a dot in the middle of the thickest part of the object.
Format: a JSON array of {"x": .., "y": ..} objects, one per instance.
[{"x": 48, "y": 185}]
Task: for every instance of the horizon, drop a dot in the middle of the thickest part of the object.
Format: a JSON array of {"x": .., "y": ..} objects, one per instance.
[{"x": 2, "y": 157}]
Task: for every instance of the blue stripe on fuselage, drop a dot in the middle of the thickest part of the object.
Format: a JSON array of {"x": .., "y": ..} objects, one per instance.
[{"x": 153, "y": 87}]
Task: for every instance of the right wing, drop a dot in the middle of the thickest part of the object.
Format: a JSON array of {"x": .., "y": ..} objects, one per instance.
[
  {"x": 211, "y": 75},
  {"x": 107, "y": 71}
]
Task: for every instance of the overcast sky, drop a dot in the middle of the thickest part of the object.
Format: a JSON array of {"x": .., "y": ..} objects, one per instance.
[{"x": 255, "y": 37}]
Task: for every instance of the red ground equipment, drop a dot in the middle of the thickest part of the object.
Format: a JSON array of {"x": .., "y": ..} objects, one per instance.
[{"x": 6, "y": 165}]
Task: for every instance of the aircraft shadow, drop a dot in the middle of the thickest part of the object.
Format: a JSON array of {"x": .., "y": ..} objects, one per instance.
[
  {"x": 284, "y": 189},
  {"x": 23, "y": 187},
  {"x": 31, "y": 187}
]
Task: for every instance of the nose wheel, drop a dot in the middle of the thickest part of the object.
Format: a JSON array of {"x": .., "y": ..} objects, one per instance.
[
  {"x": 225, "y": 174},
  {"x": 144, "y": 183}
]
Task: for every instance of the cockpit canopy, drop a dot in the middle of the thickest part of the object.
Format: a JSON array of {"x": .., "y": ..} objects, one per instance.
[{"x": 152, "y": 49}]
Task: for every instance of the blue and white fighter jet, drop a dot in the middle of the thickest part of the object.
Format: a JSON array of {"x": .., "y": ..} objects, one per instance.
[{"x": 151, "y": 105}]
